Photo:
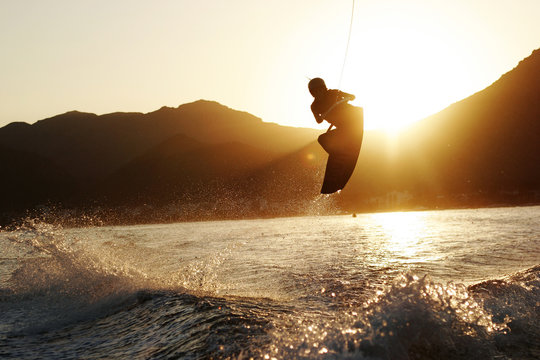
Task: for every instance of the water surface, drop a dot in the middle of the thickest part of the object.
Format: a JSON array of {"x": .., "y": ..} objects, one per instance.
[{"x": 420, "y": 285}]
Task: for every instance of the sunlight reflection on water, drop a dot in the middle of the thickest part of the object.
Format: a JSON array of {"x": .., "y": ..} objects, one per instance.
[{"x": 406, "y": 235}]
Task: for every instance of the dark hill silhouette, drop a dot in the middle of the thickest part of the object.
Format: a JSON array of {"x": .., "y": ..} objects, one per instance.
[
  {"x": 183, "y": 167},
  {"x": 481, "y": 150},
  {"x": 28, "y": 179},
  {"x": 89, "y": 146},
  {"x": 490, "y": 140}
]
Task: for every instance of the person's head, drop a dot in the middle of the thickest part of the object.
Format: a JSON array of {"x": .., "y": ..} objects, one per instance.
[{"x": 317, "y": 87}]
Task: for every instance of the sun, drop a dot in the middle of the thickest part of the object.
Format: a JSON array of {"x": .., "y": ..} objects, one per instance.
[{"x": 401, "y": 73}]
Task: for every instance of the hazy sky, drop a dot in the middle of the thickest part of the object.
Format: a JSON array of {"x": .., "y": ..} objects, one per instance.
[{"x": 407, "y": 58}]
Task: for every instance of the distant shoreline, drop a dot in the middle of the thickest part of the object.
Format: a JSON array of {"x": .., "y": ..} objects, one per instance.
[{"x": 76, "y": 219}]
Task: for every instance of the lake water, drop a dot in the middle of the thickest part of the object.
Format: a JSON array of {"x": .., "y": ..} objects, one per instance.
[{"x": 454, "y": 284}]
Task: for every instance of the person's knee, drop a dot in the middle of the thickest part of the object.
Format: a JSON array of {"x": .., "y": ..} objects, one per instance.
[{"x": 324, "y": 141}]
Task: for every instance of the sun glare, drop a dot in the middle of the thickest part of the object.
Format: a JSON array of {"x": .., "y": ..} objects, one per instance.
[
  {"x": 402, "y": 230},
  {"x": 401, "y": 72}
]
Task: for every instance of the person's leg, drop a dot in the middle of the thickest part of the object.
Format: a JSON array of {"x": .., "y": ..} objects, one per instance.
[{"x": 329, "y": 141}]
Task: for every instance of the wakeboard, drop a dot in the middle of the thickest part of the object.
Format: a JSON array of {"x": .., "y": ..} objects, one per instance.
[
  {"x": 343, "y": 147},
  {"x": 339, "y": 168}
]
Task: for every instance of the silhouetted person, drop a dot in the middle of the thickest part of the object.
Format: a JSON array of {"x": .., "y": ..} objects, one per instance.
[{"x": 332, "y": 105}]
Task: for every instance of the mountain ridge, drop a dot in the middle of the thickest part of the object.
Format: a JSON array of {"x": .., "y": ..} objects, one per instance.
[
  {"x": 93, "y": 145},
  {"x": 479, "y": 151}
]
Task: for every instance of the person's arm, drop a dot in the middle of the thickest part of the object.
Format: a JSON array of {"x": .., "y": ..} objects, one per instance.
[
  {"x": 347, "y": 96},
  {"x": 318, "y": 117}
]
